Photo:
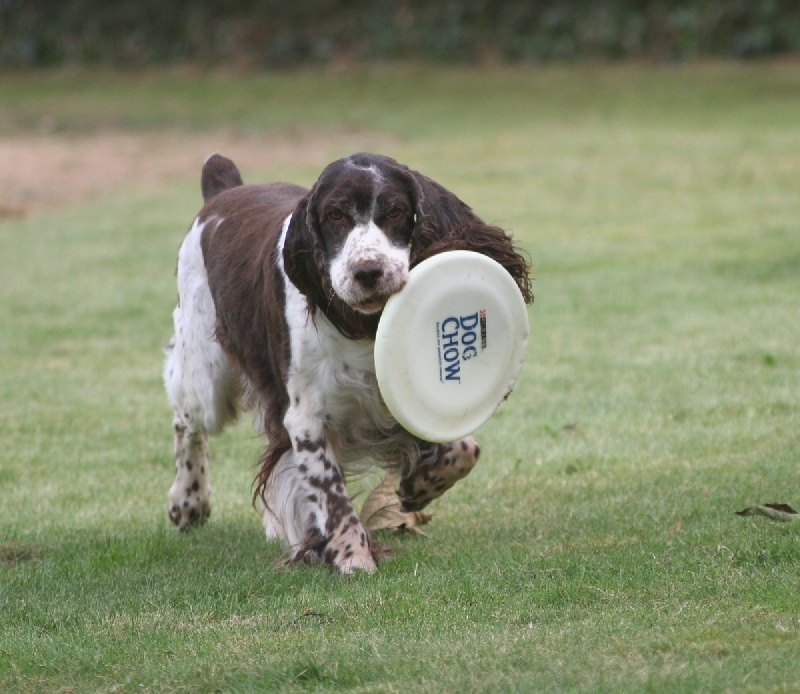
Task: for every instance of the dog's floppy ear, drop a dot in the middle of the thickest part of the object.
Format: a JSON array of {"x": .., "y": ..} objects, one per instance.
[
  {"x": 303, "y": 253},
  {"x": 445, "y": 223},
  {"x": 306, "y": 267}
]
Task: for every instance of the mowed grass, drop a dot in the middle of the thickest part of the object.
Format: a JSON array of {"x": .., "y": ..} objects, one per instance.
[{"x": 595, "y": 547}]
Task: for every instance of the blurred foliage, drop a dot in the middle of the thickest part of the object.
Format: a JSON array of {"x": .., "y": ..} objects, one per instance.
[{"x": 275, "y": 33}]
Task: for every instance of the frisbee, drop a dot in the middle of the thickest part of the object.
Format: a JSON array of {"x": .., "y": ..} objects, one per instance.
[{"x": 450, "y": 345}]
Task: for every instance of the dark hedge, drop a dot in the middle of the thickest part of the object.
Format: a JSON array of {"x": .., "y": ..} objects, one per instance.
[{"x": 273, "y": 33}]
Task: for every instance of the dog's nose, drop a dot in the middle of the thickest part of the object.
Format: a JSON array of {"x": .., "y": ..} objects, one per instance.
[{"x": 368, "y": 274}]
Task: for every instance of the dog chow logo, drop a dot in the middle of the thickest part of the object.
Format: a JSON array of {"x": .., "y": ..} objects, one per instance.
[{"x": 459, "y": 339}]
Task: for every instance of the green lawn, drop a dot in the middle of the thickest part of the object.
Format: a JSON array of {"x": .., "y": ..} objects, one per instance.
[{"x": 595, "y": 548}]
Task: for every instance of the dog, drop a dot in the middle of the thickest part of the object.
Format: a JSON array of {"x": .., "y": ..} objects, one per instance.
[{"x": 280, "y": 293}]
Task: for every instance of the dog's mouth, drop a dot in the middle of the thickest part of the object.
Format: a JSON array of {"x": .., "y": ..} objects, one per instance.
[
  {"x": 372, "y": 305},
  {"x": 375, "y": 302}
]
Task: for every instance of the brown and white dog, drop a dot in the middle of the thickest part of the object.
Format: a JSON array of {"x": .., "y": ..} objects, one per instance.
[{"x": 280, "y": 293}]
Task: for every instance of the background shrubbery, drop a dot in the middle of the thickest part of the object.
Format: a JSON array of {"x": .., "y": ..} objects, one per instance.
[{"x": 277, "y": 33}]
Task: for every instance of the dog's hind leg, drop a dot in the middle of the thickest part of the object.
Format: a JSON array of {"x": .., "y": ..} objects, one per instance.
[
  {"x": 202, "y": 386},
  {"x": 190, "y": 494}
]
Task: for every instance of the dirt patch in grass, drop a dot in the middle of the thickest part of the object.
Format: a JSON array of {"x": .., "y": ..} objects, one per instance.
[
  {"x": 16, "y": 552},
  {"x": 39, "y": 172}
]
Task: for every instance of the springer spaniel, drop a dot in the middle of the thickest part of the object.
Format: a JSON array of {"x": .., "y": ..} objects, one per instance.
[{"x": 280, "y": 293}]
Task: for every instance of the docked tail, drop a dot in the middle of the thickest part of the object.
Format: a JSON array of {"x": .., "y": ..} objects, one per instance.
[{"x": 219, "y": 173}]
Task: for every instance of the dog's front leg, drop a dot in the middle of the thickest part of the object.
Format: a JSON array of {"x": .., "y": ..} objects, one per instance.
[
  {"x": 436, "y": 472},
  {"x": 335, "y": 534}
]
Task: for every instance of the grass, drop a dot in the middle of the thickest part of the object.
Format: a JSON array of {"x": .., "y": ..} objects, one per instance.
[{"x": 594, "y": 549}]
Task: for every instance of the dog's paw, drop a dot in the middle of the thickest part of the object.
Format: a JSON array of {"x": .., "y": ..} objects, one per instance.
[
  {"x": 189, "y": 499},
  {"x": 340, "y": 556},
  {"x": 349, "y": 550},
  {"x": 357, "y": 563},
  {"x": 432, "y": 479}
]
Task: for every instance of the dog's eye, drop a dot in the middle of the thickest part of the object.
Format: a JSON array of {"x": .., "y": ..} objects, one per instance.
[
  {"x": 394, "y": 213},
  {"x": 336, "y": 215}
]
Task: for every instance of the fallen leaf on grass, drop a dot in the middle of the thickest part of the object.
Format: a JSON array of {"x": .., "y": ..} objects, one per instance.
[
  {"x": 382, "y": 510},
  {"x": 777, "y": 512}
]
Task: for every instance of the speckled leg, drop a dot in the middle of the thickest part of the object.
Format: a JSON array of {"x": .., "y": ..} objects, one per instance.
[
  {"x": 333, "y": 534},
  {"x": 432, "y": 478},
  {"x": 203, "y": 387},
  {"x": 190, "y": 494}
]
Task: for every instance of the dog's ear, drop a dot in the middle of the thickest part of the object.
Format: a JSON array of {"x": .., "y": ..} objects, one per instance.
[
  {"x": 445, "y": 223},
  {"x": 219, "y": 173},
  {"x": 305, "y": 264},
  {"x": 303, "y": 254}
]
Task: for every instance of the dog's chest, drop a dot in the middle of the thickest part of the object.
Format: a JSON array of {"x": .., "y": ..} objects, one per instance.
[
  {"x": 332, "y": 380},
  {"x": 345, "y": 375}
]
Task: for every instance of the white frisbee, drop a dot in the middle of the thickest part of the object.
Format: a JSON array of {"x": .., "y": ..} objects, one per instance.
[{"x": 450, "y": 345}]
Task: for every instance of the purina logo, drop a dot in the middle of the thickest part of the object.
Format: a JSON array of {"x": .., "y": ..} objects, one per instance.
[{"x": 458, "y": 339}]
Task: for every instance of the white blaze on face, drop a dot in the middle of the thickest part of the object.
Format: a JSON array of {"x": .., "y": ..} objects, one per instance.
[{"x": 368, "y": 250}]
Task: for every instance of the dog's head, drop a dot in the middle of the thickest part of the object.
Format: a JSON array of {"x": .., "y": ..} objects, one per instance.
[
  {"x": 366, "y": 221},
  {"x": 350, "y": 235}
]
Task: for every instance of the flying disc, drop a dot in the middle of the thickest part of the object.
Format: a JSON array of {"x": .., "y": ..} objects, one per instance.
[{"x": 450, "y": 345}]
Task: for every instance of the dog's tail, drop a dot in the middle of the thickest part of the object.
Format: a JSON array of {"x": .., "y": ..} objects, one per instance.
[{"x": 219, "y": 173}]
